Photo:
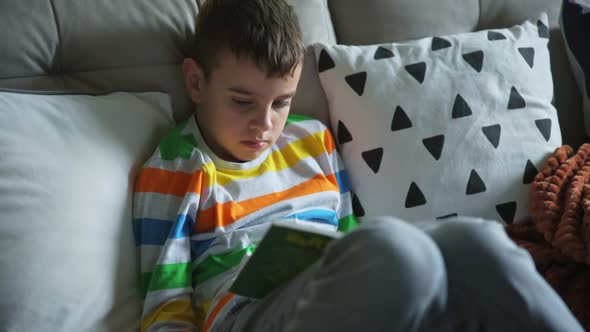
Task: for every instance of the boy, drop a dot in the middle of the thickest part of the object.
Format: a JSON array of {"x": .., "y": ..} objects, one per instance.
[{"x": 204, "y": 200}]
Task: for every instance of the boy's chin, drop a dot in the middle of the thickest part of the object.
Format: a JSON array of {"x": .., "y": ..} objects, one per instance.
[
  {"x": 244, "y": 157},
  {"x": 245, "y": 152},
  {"x": 248, "y": 157}
]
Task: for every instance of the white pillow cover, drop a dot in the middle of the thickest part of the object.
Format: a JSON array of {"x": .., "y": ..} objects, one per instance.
[
  {"x": 67, "y": 169},
  {"x": 446, "y": 125}
]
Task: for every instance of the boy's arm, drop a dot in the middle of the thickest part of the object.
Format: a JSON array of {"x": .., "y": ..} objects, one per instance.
[
  {"x": 163, "y": 236},
  {"x": 347, "y": 221}
]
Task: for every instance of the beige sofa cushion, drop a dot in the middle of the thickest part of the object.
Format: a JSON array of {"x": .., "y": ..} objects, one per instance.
[{"x": 96, "y": 46}]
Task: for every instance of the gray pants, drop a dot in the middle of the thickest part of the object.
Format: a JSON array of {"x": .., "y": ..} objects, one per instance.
[{"x": 460, "y": 275}]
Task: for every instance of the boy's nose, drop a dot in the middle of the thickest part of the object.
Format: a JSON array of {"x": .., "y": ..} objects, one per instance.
[{"x": 263, "y": 120}]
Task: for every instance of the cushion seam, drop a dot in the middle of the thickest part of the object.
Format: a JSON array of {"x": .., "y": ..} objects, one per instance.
[
  {"x": 328, "y": 23},
  {"x": 72, "y": 73},
  {"x": 58, "y": 52}
]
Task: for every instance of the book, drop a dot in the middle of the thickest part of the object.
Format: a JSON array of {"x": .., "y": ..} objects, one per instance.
[{"x": 287, "y": 248}]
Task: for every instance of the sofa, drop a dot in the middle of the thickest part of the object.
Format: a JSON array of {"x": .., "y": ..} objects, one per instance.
[{"x": 89, "y": 87}]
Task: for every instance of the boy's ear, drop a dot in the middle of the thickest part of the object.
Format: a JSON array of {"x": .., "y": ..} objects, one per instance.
[{"x": 194, "y": 79}]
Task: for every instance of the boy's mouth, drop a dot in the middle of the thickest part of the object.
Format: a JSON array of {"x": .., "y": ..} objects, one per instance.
[{"x": 256, "y": 144}]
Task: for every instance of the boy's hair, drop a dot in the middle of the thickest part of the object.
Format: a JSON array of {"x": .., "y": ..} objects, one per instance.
[{"x": 266, "y": 31}]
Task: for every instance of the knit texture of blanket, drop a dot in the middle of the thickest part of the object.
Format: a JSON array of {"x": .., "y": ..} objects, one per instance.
[{"x": 558, "y": 233}]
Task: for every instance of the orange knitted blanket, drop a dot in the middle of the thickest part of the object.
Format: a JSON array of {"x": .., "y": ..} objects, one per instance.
[{"x": 558, "y": 233}]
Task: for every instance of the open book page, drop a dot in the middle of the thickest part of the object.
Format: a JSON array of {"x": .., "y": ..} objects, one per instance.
[{"x": 287, "y": 249}]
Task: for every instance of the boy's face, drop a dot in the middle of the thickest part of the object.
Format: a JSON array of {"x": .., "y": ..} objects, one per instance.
[{"x": 242, "y": 111}]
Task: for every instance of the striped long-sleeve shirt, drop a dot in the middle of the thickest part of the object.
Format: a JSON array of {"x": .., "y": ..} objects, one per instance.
[{"x": 196, "y": 217}]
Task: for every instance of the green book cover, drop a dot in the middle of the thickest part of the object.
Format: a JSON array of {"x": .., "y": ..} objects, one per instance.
[{"x": 287, "y": 249}]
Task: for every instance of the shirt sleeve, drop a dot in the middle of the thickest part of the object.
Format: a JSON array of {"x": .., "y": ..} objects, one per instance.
[
  {"x": 347, "y": 221},
  {"x": 165, "y": 204}
]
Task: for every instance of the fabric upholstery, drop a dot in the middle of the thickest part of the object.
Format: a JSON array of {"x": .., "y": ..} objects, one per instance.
[{"x": 575, "y": 22}]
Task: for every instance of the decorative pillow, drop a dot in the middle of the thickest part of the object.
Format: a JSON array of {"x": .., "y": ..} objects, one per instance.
[
  {"x": 443, "y": 126},
  {"x": 575, "y": 27},
  {"x": 67, "y": 166}
]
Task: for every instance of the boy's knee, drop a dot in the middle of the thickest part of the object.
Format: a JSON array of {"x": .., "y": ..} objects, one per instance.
[
  {"x": 469, "y": 232},
  {"x": 394, "y": 254},
  {"x": 471, "y": 241}
]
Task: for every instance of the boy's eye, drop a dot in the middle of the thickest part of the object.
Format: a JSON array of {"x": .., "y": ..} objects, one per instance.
[
  {"x": 281, "y": 103},
  {"x": 241, "y": 102}
]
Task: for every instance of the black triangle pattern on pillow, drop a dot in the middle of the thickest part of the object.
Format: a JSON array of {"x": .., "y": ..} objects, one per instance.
[
  {"x": 357, "y": 207},
  {"x": 528, "y": 54},
  {"x": 344, "y": 135},
  {"x": 507, "y": 211},
  {"x": 400, "y": 120},
  {"x": 544, "y": 126},
  {"x": 493, "y": 35},
  {"x": 382, "y": 53},
  {"x": 492, "y": 133},
  {"x": 434, "y": 145},
  {"x": 417, "y": 70},
  {"x": 357, "y": 82},
  {"x": 474, "y": 59},
  {"x": 325, "y": 62},
  {"x": 373, "y": 158},
  {"x": 439, "y": 43},
  {"x": 543, "y": 29},
  {"x": 460, "y": 108},
  {"x": 415, "y": 196},
  {"x": 530, "y": 171},
  {"x": 516, "y": 100},
  {"x": 475, "y": 184}
]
